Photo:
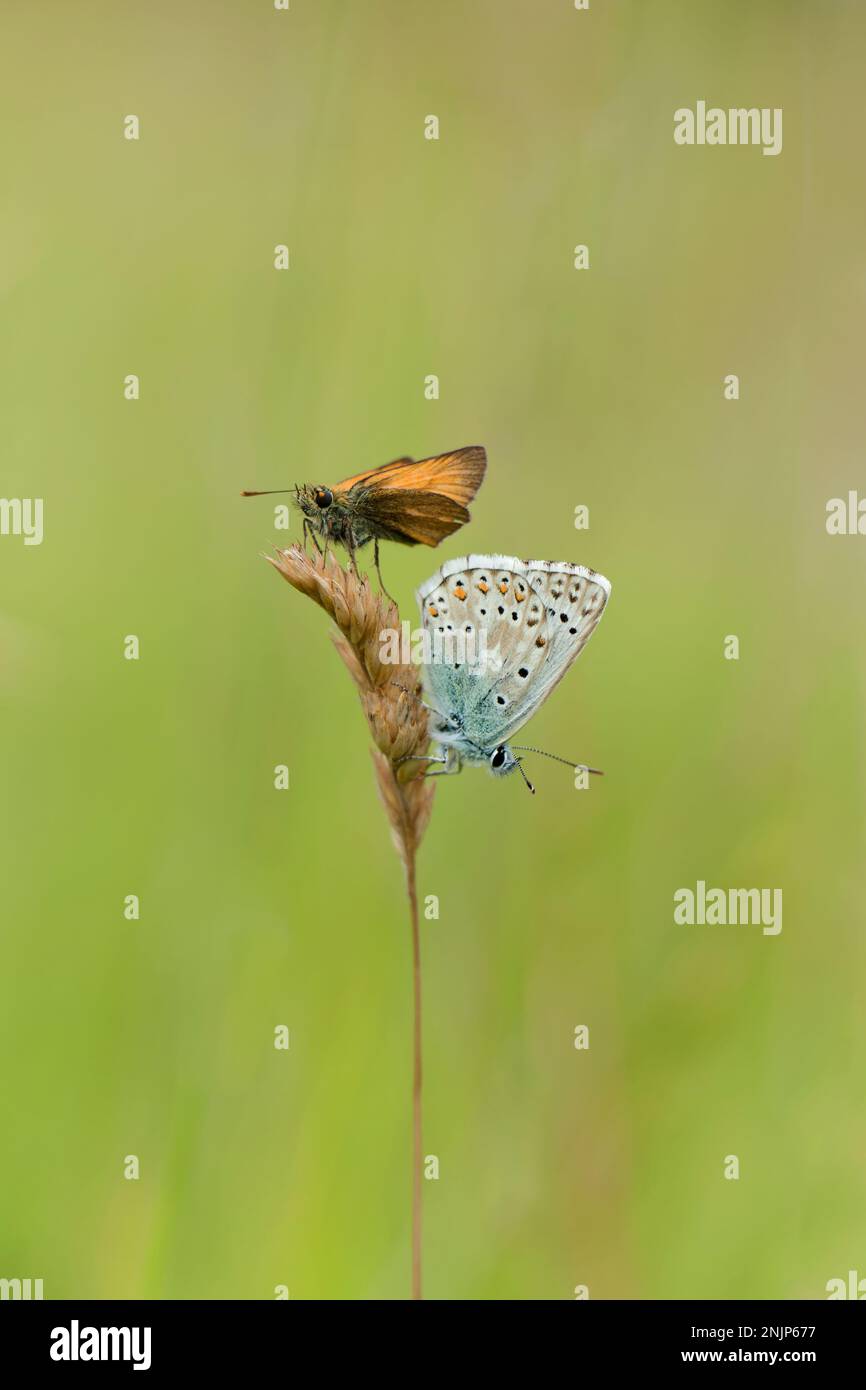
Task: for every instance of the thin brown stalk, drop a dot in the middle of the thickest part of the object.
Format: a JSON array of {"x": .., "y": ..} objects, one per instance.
[
  {"x": 417, "y": 1145},
  {"x": 390, "y": 697}
]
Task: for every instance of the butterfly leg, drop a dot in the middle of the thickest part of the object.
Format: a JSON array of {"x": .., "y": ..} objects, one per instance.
[
  {"x": 350, "y": 546},
  {"x": 379, "y": 572},
  {"x": 450, "y": 759},
  {"x": 452, "y": 765},
  {"x": 308, "y": 530}
]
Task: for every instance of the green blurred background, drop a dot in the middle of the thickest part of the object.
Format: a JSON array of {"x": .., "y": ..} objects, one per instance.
[{"x": 260, "y": 907}]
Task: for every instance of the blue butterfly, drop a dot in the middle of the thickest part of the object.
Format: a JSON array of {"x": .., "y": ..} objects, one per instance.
[{"x": 502, "y": 633}]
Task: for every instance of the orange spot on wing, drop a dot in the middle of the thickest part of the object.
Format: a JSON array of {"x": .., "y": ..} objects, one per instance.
[
  {"x": 433, "y": 611},
  {"x": 503, "y": 586},
  {"x": 482, "y": 586},
  {"x": 460, "y": 592}
]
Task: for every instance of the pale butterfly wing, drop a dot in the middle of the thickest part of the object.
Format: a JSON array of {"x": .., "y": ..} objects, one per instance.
[
  {"x": 536, "y": 617},
  {"x": 575, "y": 598},
  {"x": 484, "y": 596}
]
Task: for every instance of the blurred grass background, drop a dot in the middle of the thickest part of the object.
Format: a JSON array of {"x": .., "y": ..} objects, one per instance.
[{"x": 604, "y": 387}]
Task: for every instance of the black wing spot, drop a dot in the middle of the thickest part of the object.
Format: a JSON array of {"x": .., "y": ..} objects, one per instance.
[{"x": 523, "y": 673}]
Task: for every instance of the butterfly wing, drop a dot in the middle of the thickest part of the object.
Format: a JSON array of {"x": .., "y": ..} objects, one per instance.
[
  {"x": 536, "y": 617},
  {"x": 457, "y": 475},
  {"x": 484, "y": 599},
  {"x": 384, "y": 470},
  {"x": 410, "y": 517},
  {"x": 575, "y": 598}
]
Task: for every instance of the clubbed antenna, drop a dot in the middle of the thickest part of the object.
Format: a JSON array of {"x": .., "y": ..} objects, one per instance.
[{"x": 578, "y": 767}]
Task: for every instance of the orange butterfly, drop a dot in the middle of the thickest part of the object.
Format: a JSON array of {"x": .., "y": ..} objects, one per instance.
[{"x": 413, "y": 502}]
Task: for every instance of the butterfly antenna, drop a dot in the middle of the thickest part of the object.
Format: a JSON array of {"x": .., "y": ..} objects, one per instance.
[
  {"x": 578, "y": 767},
  {"x": 524, "y": 776},
  {"x": 270, "y": 492}
]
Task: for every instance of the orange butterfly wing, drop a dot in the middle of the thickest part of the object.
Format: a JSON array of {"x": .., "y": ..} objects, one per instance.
[
  {"x": 457, "y": 476},
  {"x": 412, "y": 518}
]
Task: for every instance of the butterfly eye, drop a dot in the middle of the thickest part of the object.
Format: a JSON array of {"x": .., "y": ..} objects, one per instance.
[
  {"x": 497, "y": 757},
  {"x": 323, "y": 497}
]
